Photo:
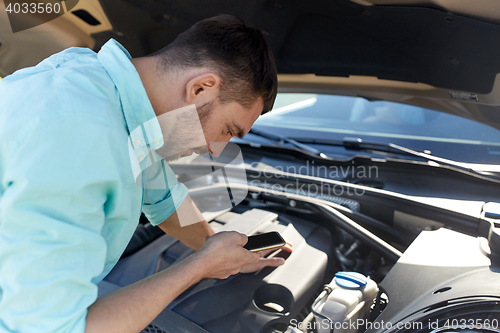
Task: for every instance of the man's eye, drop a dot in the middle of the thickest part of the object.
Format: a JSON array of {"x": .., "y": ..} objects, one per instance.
[{"x": 229, "y": 131}]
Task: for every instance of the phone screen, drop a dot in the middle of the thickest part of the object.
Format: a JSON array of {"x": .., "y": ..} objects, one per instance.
[{"x": 269, "y": 240}]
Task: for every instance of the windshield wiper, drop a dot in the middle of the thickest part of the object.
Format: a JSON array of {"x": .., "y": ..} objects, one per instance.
[
  {"x": 481, "y": 170},
  {"x": 281, "y": 140},
  {"x": 359, "y": 144}
]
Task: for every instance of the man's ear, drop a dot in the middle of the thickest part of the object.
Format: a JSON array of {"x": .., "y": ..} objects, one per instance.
[{"x": 204, "y": 86}]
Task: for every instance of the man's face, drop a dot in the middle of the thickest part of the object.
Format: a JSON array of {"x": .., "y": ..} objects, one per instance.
[
  {"x": 220, "y": 122},
  {"x": 223, "y": 121}
]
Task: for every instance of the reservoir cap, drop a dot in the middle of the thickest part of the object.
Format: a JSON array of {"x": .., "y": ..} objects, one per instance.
[
  {"x": 351, "y": 280},
  {"x": 492, "y": 210}
]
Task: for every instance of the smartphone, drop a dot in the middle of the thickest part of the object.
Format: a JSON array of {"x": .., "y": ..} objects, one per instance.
[{"x": 261, "y": 242}]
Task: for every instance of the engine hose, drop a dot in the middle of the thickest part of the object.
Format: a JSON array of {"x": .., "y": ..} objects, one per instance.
[
  {"x": 346, "y": 261},
  {"x": 360, "y": 233},
  {"x": 324, "y": 294}
]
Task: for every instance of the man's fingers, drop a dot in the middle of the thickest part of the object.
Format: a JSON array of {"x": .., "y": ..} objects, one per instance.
[
  {"x": 256, "y": 257},
  {"x": 263, "y": 262},
  {"x": 243, "y": 239},
  {"x": 266, "y": 252},
  {"x": 272, "y": 262},
  {"x": 267, "y": 262},
  {"x": 287, "y": 248}
]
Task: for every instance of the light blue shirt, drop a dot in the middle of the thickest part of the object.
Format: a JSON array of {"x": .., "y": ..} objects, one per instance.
[{"x": 74, "y": 131}]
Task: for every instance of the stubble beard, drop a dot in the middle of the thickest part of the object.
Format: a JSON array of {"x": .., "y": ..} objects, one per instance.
[{"x": 203, "y": 114}]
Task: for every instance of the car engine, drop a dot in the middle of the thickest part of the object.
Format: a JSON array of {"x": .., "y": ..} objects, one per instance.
[{"x": 428, "y": 278}]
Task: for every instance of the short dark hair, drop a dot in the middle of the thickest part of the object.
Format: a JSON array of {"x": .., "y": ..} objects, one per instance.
[{"x": 238, "y": 53}]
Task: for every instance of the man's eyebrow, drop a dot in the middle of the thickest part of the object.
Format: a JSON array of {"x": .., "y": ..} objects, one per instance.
[{"x": 240, "y": 132}]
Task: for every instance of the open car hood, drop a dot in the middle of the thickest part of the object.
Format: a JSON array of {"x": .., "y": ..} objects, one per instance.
[{"x": 437, "y": 54}]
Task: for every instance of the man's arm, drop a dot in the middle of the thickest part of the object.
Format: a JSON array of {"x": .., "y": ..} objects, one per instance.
[
  {"x": 195, "y": 229},
  {"x": 132, "y": 308}
]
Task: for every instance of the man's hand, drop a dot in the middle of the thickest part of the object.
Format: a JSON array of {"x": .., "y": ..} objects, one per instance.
[
  {"x": 131, "y": 308},
  {"x": 195, "y": 235},
  {"x": 223, "y": 255}
]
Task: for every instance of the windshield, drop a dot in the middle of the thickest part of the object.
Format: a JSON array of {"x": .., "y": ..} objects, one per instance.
[{"x": 329, "y": 117}]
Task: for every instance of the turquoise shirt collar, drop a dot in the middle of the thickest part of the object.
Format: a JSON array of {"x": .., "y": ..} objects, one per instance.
[{"x": 140, "y": 117}]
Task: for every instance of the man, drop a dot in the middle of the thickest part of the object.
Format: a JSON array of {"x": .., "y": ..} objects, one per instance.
[{"x": 69, "y": 201}]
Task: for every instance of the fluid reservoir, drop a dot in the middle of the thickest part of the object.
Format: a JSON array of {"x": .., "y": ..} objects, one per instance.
[{"x": 345, "y": 303}]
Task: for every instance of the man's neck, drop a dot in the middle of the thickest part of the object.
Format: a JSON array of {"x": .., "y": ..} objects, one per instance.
[{"x": 158, "y": 84}]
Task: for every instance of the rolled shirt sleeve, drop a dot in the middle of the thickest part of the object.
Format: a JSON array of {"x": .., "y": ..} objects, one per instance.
[
  {"x": 163, "y": 194},
  {"x": 58, "y": 182}
]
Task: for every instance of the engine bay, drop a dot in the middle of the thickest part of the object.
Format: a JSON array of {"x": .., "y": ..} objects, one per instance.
[{"x": 329, "y": 235}]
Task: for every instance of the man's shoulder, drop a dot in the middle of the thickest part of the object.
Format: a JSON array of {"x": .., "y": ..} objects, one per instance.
[
  {"x": 69, "y": 83},
  {"x": 70, "y": 61}
]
